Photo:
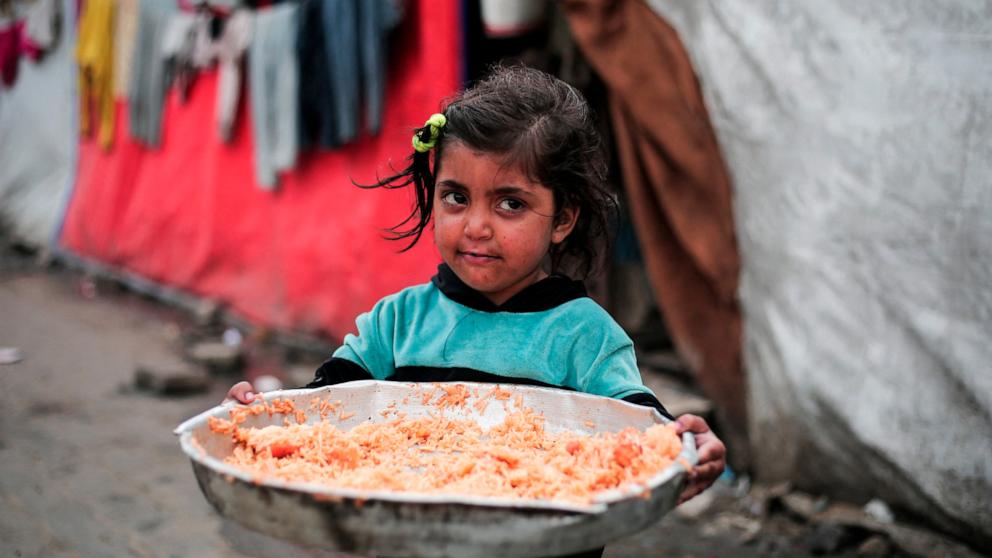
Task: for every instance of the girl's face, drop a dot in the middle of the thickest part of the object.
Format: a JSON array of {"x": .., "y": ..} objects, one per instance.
[{"x": 492, "y": 225}]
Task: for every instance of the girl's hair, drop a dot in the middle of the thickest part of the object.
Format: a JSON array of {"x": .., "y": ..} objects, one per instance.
[{"x": 542, "y": 126}]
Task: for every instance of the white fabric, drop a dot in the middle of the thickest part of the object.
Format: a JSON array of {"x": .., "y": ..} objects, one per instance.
[
  {"x": 38, "y": 137},
  {"x": 859, "y": 139}
]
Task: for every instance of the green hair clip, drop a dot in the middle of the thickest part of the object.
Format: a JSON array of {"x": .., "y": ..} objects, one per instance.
[{"x": 436, "y": 122}]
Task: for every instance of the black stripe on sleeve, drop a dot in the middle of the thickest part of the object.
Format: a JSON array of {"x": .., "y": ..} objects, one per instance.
[
  {"x": 337, "y": 371},
  {"x": 648, "y": 400}
]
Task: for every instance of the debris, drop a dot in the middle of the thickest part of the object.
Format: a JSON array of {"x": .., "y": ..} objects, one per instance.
[
  {"x": 87, "y": 288},
  {"x": 800, "y": 504},
  {"x": 218, "y": 358},
  {"x": 911, "y": 540},
  {"x": 232, "y": 337},
  {"x": 759, "y": 500},
  {"x": 875, "y": 546},
  {"x": 170, "y": 380},
  {"x": 831, "y": 538},
  {"x": 10, "y": 355},
  {"x": 879, "y": 511},
  {"x": 206, "y": 313}
]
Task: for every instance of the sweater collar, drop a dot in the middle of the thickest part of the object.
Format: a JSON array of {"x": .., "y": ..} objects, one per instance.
[{"x": 545, "y": 294}]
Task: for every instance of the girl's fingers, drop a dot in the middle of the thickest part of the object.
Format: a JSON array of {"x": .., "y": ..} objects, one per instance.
[
  {"x": 711, "y": 449},
  {"x": 242, "y": 392},
  {"x": 691, "y": 423},
  {"x": 707, "y": 473}
]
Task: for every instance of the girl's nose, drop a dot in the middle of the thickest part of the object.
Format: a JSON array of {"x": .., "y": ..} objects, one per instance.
[{"x": 477, "y": 225}]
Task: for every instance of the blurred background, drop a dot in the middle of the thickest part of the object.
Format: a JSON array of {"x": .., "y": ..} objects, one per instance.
[{"x": 803, "y": 254}]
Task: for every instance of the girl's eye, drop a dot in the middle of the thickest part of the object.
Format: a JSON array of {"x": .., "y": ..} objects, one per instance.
[
  {"x": 511, "y": 204},
  {"x": 454, "y": 198}
]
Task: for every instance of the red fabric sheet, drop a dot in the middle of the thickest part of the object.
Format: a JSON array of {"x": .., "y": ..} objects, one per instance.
[{"x": 309, "y": 256}]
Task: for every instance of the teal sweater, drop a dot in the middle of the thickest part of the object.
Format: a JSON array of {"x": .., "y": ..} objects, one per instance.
[{"x": 549, "y": 334}]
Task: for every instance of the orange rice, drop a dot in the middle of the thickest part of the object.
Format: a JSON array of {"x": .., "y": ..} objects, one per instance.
[{"x": 438, "y": 454}]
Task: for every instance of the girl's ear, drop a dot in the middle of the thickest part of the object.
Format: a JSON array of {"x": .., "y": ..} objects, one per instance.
[{"x": 564, "y": 223}]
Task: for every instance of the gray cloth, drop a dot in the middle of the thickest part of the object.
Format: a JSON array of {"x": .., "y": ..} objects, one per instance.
[
  {"x": 148, "y": 73},
  {"x": 273, "y": 78}
]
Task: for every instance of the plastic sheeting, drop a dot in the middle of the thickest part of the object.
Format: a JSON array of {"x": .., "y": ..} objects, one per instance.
[
  {"x": 308, "y": 256},
  {"x": 37, "y": 141},
  {"x": 857, "y": 134}
]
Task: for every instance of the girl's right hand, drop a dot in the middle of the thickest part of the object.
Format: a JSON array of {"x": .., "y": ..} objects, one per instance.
[{"x": 242, "y": 392}]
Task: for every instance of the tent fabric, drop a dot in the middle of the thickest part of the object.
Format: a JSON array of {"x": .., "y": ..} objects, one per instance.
[
  {"x": 857, "y": 134},
  {"x": 309, "y": 257},
  {"x": 38, "y": 141},
  {"x": 678, "y": 190}
]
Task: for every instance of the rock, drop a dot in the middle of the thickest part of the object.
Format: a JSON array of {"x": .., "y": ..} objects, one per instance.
[
  {"x": 875, "y": 546},
  {"x": 217, "y": 357},
  {"x": 170, "y": 381}
]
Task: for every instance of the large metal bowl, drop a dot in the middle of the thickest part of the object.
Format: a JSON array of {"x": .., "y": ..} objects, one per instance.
[{"x": 406, "y": 524}]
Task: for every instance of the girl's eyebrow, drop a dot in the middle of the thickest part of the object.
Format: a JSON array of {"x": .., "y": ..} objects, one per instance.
[
  {"x": 511, "y": 190},
  {"x": 506, "y": 190}
]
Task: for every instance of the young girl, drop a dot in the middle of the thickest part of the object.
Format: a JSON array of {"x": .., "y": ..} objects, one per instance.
[{"x": 516, "y": 198}]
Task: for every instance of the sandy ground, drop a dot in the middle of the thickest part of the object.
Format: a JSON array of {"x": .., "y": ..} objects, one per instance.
[{"x": 90, "y": 467}]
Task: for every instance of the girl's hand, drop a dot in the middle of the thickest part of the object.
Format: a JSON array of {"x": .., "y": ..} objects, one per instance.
[
  {"x": 242, "y": 392},
  {"x": 712, "y": 455}
]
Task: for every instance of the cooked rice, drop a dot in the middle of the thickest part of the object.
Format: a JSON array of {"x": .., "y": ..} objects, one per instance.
[{"x": 439, "y": 454}]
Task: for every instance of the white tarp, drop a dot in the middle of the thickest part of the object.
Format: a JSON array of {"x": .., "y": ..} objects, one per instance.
[
  {"x": 859, "y": 138},
  {"x": 38, "y": 140}
]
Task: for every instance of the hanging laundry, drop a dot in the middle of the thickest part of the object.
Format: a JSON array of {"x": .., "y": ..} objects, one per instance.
[
  {"x": 10, "y": 51},
  {"x": 340, "y": 18},
  {"x": 178, "y": 43},
  {"x": 42, "y": 25},
  {"x": 342, "y": 50},
  {"x": 316, "y": 109},
  {"x": 273, "y": 76},
  {"x": 95, "y": 55},
  {"x": 229, "y": 49},
  {"x": 148, "y": 84},
  {"x": 376, "y": 19},
  {"x": 125, "y": 39}
]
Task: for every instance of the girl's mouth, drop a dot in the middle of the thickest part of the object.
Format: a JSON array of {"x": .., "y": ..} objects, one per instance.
[{"x": 478, "y": 257}]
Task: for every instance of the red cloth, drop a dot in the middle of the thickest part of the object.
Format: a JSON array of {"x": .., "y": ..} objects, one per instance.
[{"x": 309, "y": 256}]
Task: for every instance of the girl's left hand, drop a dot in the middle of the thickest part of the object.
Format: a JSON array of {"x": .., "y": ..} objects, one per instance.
[{"x": 712, "y": 455}]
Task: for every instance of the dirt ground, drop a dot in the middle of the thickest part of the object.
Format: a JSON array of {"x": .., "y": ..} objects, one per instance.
[{"x": 89, "y": 465}]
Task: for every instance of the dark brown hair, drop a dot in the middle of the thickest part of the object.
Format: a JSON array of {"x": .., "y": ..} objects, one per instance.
[{"x": 544, "y": 127}]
